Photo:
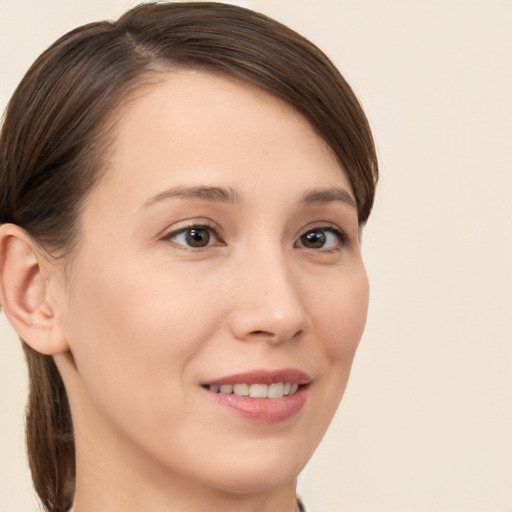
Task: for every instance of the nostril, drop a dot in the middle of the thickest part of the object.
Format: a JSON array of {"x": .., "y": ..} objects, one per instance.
[{"x": 279, "y": 336}]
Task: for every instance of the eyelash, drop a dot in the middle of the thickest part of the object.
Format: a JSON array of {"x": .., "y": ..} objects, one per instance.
[
  {"x": 342, "y": 237},
  {"x": 211, "y": 229}
]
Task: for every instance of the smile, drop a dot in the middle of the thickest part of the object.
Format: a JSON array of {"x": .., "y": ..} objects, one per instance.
[
  {"x": 275, "y": 390},
  {"x": 263, "y": 396}
]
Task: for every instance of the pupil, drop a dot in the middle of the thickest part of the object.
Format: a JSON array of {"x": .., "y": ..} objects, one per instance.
[
  {"x": 198, "y": 237},
  {"x": 314, "y": 239}
]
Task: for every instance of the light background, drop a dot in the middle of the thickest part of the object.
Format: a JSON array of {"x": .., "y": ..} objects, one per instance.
[{"x": 426, "y": 422}]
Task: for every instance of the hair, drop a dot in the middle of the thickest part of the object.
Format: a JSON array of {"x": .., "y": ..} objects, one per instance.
[{"x": 58, "y": 128}]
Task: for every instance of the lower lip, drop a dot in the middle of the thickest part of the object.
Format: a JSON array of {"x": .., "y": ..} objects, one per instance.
[{"x": 266, "y": 410}]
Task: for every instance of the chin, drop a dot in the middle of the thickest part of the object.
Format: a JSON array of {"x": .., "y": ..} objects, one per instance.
[
  {"x": 258, "y": 472},
  {"x": 259, "y": 480}
]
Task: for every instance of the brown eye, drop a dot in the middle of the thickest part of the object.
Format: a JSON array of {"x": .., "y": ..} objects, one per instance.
[
  {"x": 194, "y": 236},
  {"x": 313, "y": 239},
  {"x": 197, "y": 237},
  {"x": 322, "y": 238}
]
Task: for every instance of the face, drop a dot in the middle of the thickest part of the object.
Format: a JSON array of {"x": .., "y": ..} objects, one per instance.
[{"x": 219, "y": 256}]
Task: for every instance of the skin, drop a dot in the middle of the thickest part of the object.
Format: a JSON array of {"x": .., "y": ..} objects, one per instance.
[{"x": 145, "y": 319}]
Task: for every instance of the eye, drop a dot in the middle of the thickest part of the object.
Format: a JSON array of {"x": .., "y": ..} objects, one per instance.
[
  {"x": 322, "y": 238},
  {"x": 196, "y": 237}
]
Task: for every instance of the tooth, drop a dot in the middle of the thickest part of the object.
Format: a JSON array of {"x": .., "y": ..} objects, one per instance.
[
  {"x": 241, "y": 389},
  {"x": 226, "y": 389},
  {"x": 258, "y": 390},
  {"x": 275, "y": 390}
]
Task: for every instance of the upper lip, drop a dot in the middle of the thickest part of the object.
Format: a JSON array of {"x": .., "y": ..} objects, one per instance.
[{"x": 290, "y": 375}]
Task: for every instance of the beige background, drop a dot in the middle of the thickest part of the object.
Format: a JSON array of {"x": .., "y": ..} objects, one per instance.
[{"x": 426, "y": 423}]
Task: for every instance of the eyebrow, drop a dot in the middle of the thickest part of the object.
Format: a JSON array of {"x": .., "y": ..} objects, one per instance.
[
  {"x": 207, "y": 193},
  {"x": 328, "y": 195},
  {"x": 231, "y": 196}
]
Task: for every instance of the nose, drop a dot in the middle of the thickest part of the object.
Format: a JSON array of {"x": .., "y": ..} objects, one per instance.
[{"x": 268, "y": 302}]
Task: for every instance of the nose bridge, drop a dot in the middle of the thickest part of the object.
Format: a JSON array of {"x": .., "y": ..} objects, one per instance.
[{"x": 268, "y": 300}]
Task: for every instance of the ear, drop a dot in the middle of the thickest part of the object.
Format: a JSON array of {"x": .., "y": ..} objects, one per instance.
[{"x": 25, "y": 294}]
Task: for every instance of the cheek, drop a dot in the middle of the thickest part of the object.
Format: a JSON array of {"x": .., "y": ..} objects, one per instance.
[
  {"x": 134, "y": 339},
  {"x": 341, "y": 320},
  {"x": 127, "y": 302},
  {"x": 338, "y": 313},
  {"x": 132, "y": 332},
  {"x": 344, "y": 309}
]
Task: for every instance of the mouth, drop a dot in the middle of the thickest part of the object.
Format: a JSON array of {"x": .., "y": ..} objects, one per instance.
[{"x": 263, "y": 396}]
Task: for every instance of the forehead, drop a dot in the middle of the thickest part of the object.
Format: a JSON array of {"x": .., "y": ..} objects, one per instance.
[{"x": 203, "y": 128}]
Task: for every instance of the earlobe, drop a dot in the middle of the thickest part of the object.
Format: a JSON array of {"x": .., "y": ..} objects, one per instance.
[{"x": 24, "y": 292}]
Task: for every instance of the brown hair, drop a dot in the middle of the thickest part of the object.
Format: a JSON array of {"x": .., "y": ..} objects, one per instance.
[{"x": 54, "y": 143}]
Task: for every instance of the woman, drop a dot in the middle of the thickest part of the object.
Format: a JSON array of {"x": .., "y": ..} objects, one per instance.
[{"x": 182, "y": 197}]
